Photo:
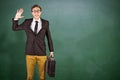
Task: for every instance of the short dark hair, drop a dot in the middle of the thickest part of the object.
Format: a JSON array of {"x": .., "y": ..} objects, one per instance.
[{"x": 36, "y": 6}]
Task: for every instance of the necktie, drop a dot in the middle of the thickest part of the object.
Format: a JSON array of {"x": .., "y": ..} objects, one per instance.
[{"x": 36, "y": 26}]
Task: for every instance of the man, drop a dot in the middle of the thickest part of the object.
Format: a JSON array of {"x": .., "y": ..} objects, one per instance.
[{"x": 36, "y": 29}]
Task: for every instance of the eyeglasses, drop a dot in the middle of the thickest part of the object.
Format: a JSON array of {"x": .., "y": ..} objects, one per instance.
[{"x": 36, "y": 11}]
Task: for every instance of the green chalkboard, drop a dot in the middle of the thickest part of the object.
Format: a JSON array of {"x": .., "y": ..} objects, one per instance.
[{"x": 86, "y": 37}]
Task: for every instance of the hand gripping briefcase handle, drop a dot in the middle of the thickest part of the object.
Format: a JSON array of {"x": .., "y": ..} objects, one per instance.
[{"x": 50, "y": 66}]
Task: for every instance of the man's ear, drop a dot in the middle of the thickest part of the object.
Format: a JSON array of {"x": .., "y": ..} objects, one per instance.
[{"x": 41, "y": 12}]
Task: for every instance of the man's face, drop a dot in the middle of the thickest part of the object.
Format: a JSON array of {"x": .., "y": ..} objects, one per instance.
[{"x": 36, "y": 13}]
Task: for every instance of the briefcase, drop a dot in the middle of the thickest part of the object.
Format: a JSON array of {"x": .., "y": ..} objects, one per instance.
[{"x": 50, "y": 66}]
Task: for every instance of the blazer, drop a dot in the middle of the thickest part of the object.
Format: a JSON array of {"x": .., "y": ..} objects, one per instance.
[{"x": 35, "y": 44}]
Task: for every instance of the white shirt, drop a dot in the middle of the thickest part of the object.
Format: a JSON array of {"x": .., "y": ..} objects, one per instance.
[{"x": 39, "y": 25}]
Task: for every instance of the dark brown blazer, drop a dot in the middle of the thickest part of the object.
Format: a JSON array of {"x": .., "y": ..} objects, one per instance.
[{"x": 35, "y": 44}]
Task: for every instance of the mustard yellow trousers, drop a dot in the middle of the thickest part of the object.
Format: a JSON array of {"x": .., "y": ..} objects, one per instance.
[{"x": 31, "y": 61}]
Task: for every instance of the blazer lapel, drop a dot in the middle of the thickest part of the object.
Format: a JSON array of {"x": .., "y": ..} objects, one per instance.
[
  {"x": 42, "y": 22},
  {"x": 30, "y": 22}
]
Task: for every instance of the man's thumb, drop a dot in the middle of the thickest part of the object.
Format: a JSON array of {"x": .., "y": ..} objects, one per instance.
[{"x": 22, "y": 17}]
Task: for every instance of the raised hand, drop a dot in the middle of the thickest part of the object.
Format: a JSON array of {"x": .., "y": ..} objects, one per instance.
[{"x": 19, "y": 14}]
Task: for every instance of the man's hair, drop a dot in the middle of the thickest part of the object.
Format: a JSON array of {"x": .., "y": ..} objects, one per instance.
[{"x": 36, "y": 6}]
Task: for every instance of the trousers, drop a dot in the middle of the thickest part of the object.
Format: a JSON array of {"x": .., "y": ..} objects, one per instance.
[{"x": 31, "y": 61}]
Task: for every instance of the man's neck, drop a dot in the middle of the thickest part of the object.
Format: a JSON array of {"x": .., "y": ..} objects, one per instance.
[{"x": 36, "y": 19}]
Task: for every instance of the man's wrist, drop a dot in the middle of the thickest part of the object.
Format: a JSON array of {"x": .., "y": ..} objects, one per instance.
[
  {"x": 52, "y": 52},
  {"x": 15, "y": 18}
]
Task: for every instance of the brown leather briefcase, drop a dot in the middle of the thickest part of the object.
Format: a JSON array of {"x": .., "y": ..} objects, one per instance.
[{"x": 50, "y": 67}]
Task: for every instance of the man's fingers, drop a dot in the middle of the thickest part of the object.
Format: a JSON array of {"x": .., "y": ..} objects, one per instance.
[
  {"x": 17, "y": 10},
  {"x": 22, "y": 17},
  {"x": 20, "y": 10},
  {"x": 51, "y": 55}
]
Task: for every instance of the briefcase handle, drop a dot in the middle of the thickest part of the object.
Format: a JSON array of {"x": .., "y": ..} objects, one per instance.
[{"x": 51, "y": 58}]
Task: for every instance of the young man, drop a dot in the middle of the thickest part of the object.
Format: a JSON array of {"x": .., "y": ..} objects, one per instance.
[{"x": 36, "y": 29}]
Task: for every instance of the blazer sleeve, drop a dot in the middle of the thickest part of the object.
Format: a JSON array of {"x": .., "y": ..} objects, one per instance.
[
  {"x": 48, "y": 35},
  {"x": 16, "y": 26}
]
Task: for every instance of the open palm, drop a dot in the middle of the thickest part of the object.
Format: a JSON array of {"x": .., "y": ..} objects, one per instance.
[{"x": 19, "y": 13}]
